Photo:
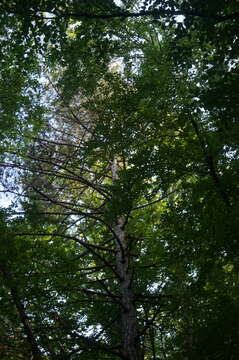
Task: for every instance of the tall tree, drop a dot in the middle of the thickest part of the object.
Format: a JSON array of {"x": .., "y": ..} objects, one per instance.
[{"x": 127, "y": 234}]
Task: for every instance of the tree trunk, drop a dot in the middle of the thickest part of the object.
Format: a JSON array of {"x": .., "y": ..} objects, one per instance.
[
  {"x": 130, "y": 341},
  {"x": 36, "y": 354}
]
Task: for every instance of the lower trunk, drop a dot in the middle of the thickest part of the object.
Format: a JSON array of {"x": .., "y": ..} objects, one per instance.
[
  {"x": 131, "y": 346},
  {"x": 130, "y": 341}
]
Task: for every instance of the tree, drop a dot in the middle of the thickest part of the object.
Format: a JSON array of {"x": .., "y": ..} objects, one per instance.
[{"x": 130, "y": 207}]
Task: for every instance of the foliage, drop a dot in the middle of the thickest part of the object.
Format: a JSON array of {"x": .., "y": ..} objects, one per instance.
[{"x": 120, "y": 130}]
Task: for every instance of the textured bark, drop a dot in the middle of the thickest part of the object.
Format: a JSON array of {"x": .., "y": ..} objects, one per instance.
[{"x": 130, "y": 344}]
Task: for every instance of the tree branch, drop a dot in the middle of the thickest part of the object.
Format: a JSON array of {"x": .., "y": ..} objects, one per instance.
[{"x": 156, "y": 13}]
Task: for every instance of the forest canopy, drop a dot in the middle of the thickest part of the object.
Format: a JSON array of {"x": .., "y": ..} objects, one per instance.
[{"x": 119, "y": 159}]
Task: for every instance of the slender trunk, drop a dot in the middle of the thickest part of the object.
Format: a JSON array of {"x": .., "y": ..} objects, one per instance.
[
  {"x": 130, "y": 343},
  {"x": 210, "y": 163},
  {"x": 188, "y": 326},
  {"x": 36, "y": 354},
  {"x": 151, "y": 334}
]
